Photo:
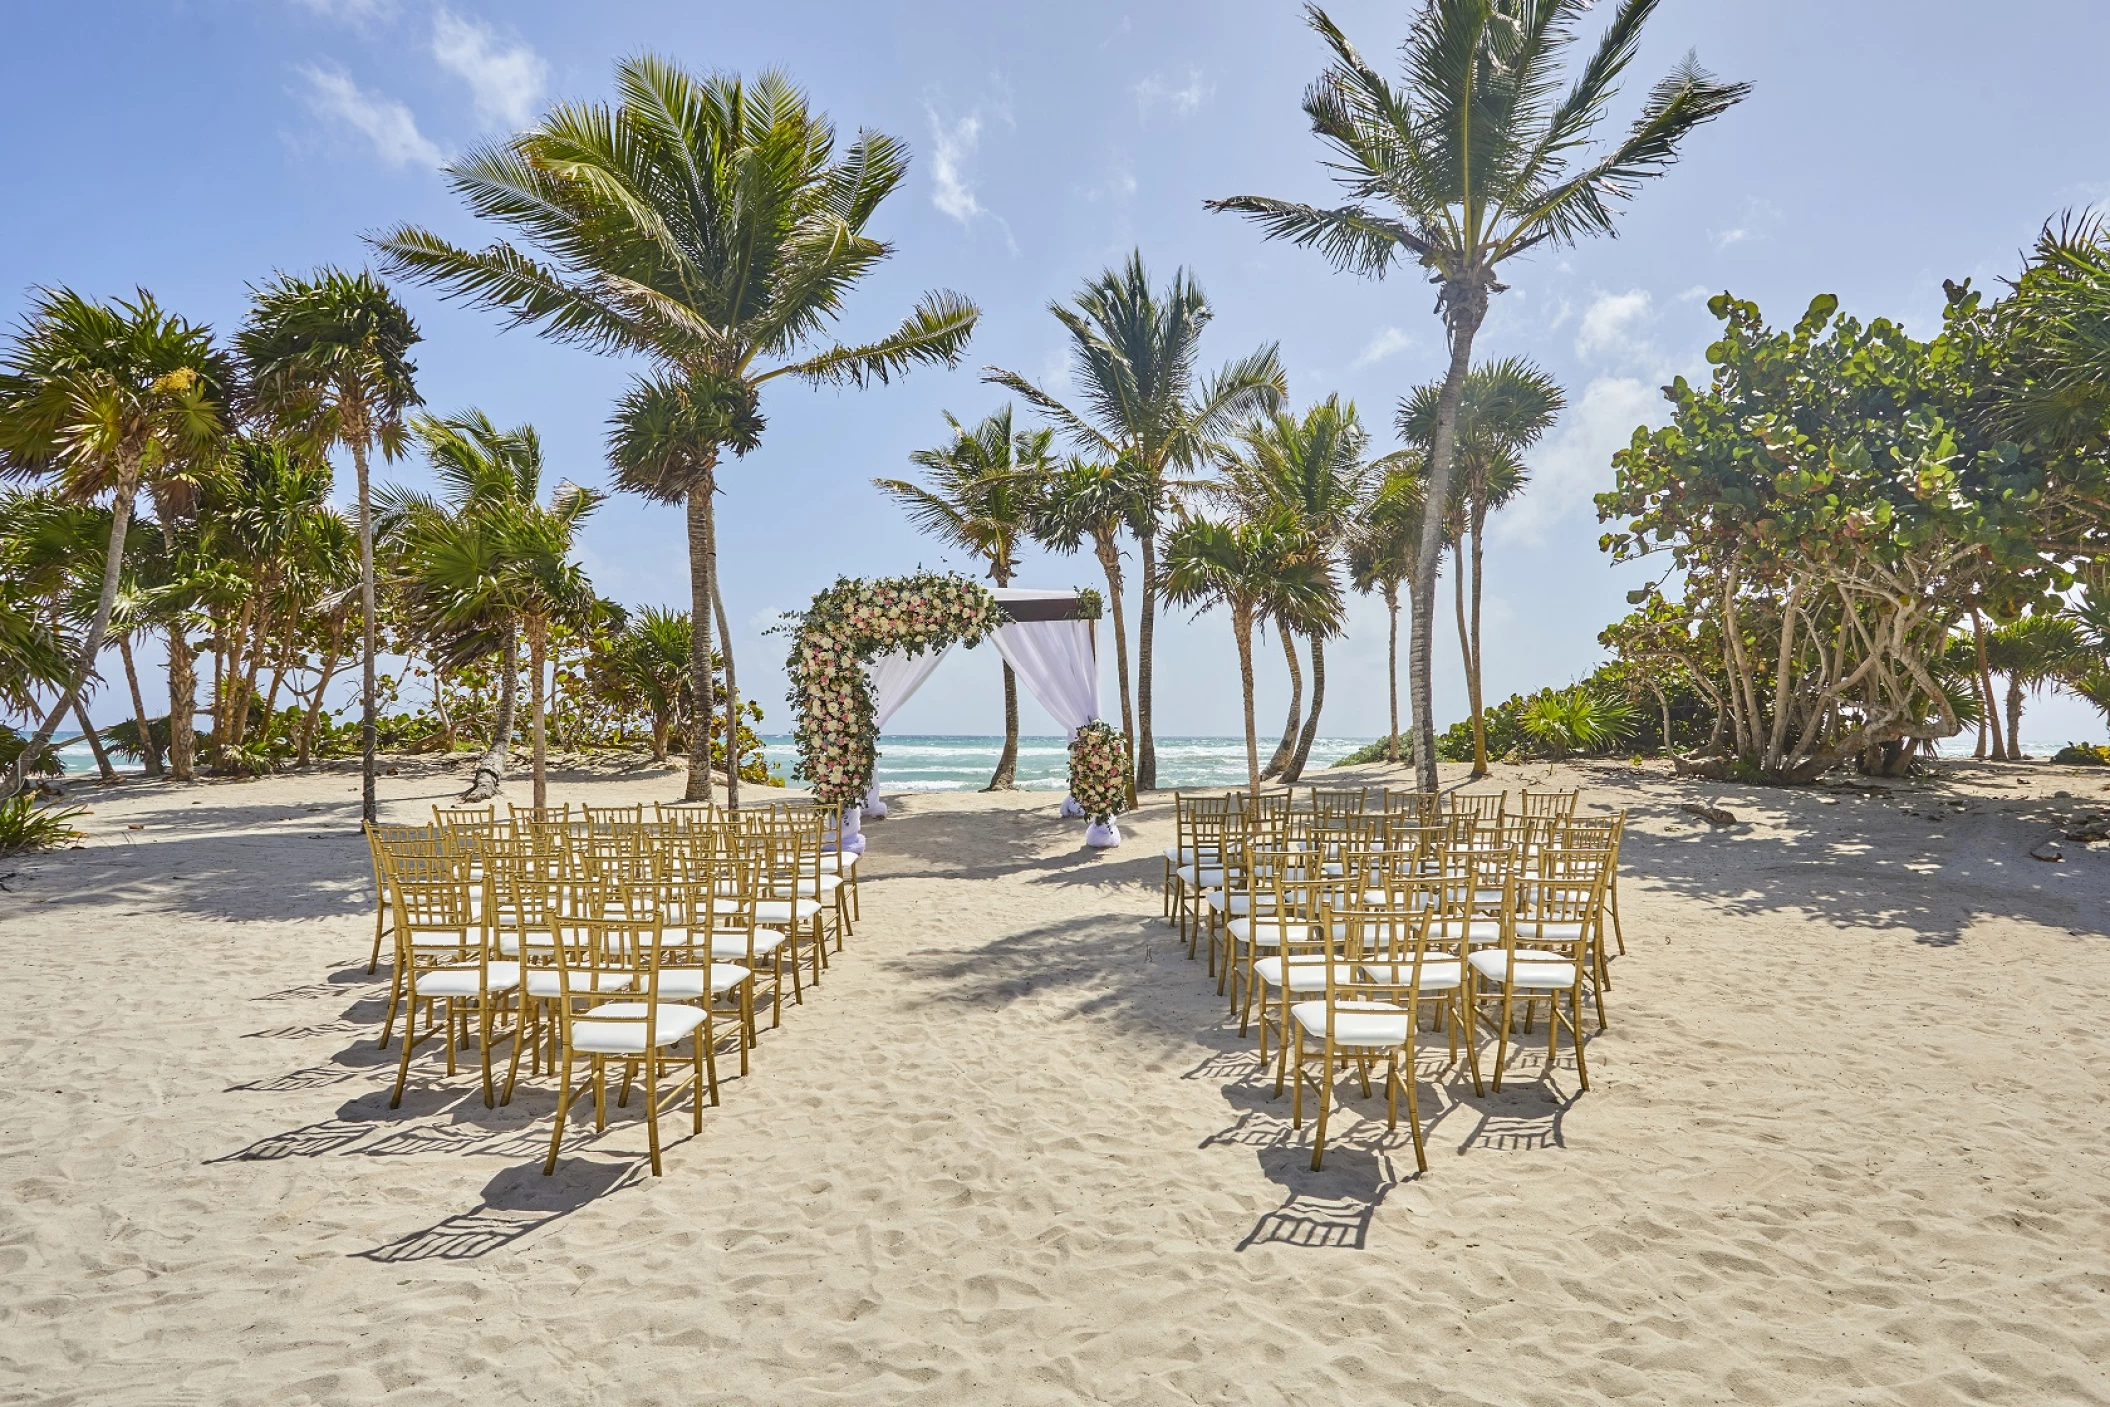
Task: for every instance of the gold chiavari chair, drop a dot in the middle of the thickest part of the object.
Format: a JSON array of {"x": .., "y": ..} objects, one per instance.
[
  {"x": 832, "y": 858},
  {"x": 1366, "y": 876},
  {"x": 1282, "y": 891},
  {"x": 1426, "y": 807},
  {"x": 1544, "y": 953},
  {"x": 376, "y": 838},
  {"x": 1595, "y": 866},
  {"x": 534, "y": 909},
  {"x": 1358, "y": 1021},
  {"x": 1547, "y": 805},
  {"x": 779, "y": 892},
  {"x": 1212, "y": 834},
  {"x": 1413, "y": 953},
  {"x": 443, "y": 952},
  {"x": 1337, "y": 801},
  {"x": 721, "y": 896},
  {"x": 1598, "y": 833},
  {"x": 1484, "y": 806},
  {"x": 622, "y": 937}
]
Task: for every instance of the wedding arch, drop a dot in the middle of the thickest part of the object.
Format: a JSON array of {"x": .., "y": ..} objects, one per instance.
[{"x": 863, "y": 649}]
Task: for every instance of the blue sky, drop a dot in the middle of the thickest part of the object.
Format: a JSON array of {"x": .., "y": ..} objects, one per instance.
[{"x": 193, "y": 148}]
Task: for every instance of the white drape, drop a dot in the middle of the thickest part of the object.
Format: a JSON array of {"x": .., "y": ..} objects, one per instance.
[
  {"x": 1054, "y": 660},
  {"x": 894, "y": 678}
]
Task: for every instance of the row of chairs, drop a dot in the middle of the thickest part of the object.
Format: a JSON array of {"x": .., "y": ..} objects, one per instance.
[
  {"x": 598, "y": 936},
  {"x": 1347, "y": 921}
]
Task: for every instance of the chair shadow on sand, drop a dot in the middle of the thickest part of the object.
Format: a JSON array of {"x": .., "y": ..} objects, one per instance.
[{"x": 516, "y": 1204}]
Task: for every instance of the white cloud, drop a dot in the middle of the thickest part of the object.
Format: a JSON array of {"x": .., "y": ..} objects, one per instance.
[
  {"x": 1613, "y": 328},
  {"x": 952, "y": 195},
  {"x": 356, "y": 12},
  {"x": 385, "y": 123},
  {"x": 506, "y": 80},
  {"x": 1756, "y": 223},
  {"x": 1159, "y": 91},
  {"x": 1575, "y": 462},
  {"x": 1385, "y": 344}
]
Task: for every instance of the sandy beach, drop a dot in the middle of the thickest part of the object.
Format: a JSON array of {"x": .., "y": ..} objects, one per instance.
[{"x": 1844, "y": 1142}]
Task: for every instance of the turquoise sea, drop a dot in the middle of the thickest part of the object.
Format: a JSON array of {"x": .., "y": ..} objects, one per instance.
[{"x": 923, "y": 762}]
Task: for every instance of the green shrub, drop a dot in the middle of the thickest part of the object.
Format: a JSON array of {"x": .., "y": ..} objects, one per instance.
[
  {"x": 1574, "y": 720},
  {"x": 11, "y": 745},
  {"x": 24, "y": 825},
  {"x": 1374, "y": 752},
  {"x": 2083, "y": 755}
]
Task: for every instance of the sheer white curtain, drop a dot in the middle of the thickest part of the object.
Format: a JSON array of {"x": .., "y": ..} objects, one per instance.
[
  {"x": 1056, "y": 661},
  {"x": 894, "y": 678}
]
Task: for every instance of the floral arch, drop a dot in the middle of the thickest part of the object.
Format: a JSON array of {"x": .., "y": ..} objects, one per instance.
[{"x": 896, "y": 629}]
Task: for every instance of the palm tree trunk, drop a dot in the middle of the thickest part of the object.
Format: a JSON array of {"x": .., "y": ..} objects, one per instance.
[
  {"x": 1472, "y": 682},
  {"x": 1311, "y": 720},
  {"x": 700, "y": 594},
  {"x": 1989, "y": 720},
  {"x": 732, "y": 682},
  {"x": 1110, "y": 563},
  {"x": 103, "y": 769},
  {"x": 92, "y": 645},
  {"x": 369, "y": 736},
  {"x": 322, "y": 684},
  {"x": 538, "y": 635},
  {"x": 1468, "y": 305},
  {"x": 1242, "y": 623},
  {"x": 1146, "y": 747},
  {"x": 149, "y": 754},
  {"x": 1465, "y": 652},
  {"x": 1288, "y": 745},
  {"x": 491, "y": 767},
  {"x": 252, "y": 667},
  {"x": 183, "y": 706},
  {"x": 2014, "y": 715},
  {"x": 1392, "y": 666},
  {"x": 1006, "y": 777},
  {"x": 227, "y": 729}
]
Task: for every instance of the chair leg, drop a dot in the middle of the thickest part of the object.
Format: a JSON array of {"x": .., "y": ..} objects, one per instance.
[
  {"x": 556, "y": 1137},
  {"x": 706, "y": 1063},
  {"x": 483, "y": 1041},
  {"x": 1318, "y": 1142},
  {"x": 380, "y": 909},
  {"x": 651, "y": 1107},
  {"x": 600, "y": 1094},
  {"x": 520, "y": 1038},
  {"x": 1582, "y": 1068},
  {"x": 395, "y": 996},
  {"x": 1502, "y": 1036},
  {"x": 1421, "y": 1153}
]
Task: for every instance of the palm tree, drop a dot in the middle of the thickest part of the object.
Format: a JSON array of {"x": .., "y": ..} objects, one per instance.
[
  {"x": 494, "y": 568},
  {"x": 1504, "y": 408},
  {"x": 106, "y": 399},
  {"x": 1254, "y": 567},
  {"x": 1312, "y": 468},
  {"x": 329, "y": 361},
  {"x": 648, "y": 660},
  {"x": 1381, "y": 549},
  {"x": 479, "y": 467},
  {"x": 709, "y": 226},
  {"x": 980, "y": 498},
  {"x": 2032, "y": 652},
  {"x": 1476, "y": 154},
  {"x": 1134, "y": 353}
]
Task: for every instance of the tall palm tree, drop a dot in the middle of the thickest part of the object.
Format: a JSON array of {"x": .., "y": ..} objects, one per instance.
[
  {"x": 490, "y": 486},
  {"x": 1254, "y": 567},
  {"x": 329, "y": 360},
  {"x": 709, "y": 226},
  {"x": 648, "y": 660},
  {"x": 103, "y": 399},
  {"x": 1480, "y": 157},
  {"x": 1381, "y": 551},
  {"x": 474, "y": 576},
  {"x": 1504, "y": 408},
  {"x": 980, "y": 498},
  {"x": 1096, "y": 502},
  {"x": 1134, "y": 353},
  {"x": 2032, "y": 652},
  {"x": 1313, "y": 468}
]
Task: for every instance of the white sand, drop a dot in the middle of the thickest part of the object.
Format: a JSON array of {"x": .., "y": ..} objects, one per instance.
[{"x": 1845, "y": 1142}]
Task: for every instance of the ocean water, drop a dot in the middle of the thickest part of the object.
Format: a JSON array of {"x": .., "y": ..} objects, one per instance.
[{"x": 918, "y": 762}]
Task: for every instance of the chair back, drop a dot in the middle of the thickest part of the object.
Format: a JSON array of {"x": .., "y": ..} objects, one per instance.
[{"x": 1547, "y": 805}]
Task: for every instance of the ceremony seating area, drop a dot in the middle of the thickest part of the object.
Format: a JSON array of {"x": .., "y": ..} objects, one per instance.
[
  {"x": 597, "y": 937},
  {"x": 1338, "y": 928}
]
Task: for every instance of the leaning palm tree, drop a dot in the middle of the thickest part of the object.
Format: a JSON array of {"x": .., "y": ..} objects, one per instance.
[
  {"x": 1504, "y": 408},
  {"x": 1097, "y": 502},
  {"x": 710, "y": 226},
  {"x": 1311, "y": 467},
  {"x": 980, "y": 498},
  {"x": 1255, "y": 568},
  {"x": 1134, "y": 353},
  {"x": 329, "y": 361},
  {"x": 475, "y": 576},
  {"x": 104, "y": 399},
  {"x": 1481, "y": 157}
]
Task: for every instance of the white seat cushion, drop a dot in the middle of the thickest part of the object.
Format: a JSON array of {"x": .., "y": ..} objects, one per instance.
[
  {"x": 538, "y": 942},
  {"x": 775, "y": 911},
  {"x": 838, "y": 862},
  {"x": 1211, "y": 878},
  {"x": 462, "y": 981},
  {"x": 1363, "y": 1024},
  {"x": 1479, "y": 930},
  {"x": 1437, "y": 974},
  {"x": 687, "y": 983},
  {"x": 1235, "y": 903},
  {"x": 734, "y": 945},
  {"x": 1536, "y": 971},
  {"x": 1530, "y": 931},
  {"x": 1304, "y": 975},
  {"x": 1269, "y": 932},
  {"x": 542, "y": 982},
  {"x": 1185, "y": 854},
  {"x": 823, "y": 887},
  {"x": 603, "y": 1033}
]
